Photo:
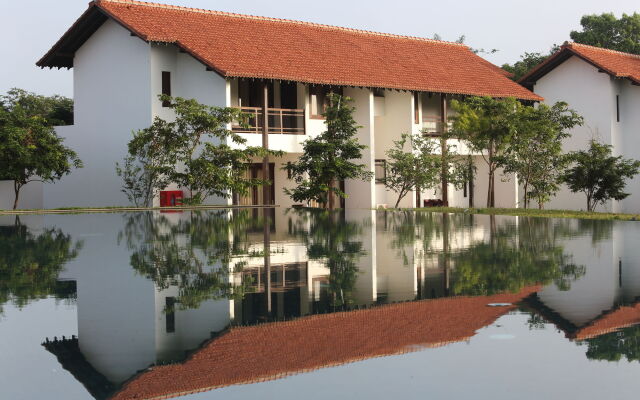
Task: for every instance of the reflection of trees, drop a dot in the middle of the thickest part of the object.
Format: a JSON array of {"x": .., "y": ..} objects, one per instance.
[
  {"x": 517, "y": 255},
  {"x": 329, "y": 237},
  {"x": 31, "y": 262},
  {"x": 195, "y": 254},
  {"x": 615, "y": 345}
]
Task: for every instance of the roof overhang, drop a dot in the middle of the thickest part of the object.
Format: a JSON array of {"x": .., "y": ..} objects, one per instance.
[{"x": 562, "y": 55}]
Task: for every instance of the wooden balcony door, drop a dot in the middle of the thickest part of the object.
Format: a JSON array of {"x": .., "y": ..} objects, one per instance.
[{"x": 255, "y": 194}]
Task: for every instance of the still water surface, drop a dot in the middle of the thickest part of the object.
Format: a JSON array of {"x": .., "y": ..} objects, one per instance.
[{"x": 297, "y": 303}]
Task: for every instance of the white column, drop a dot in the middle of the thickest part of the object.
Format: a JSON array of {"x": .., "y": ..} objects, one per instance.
[{"x": 362, "y": 193}]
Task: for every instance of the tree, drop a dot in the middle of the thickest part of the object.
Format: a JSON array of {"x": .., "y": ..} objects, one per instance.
[
  {"x": 30, "y": 149},
  {"x": 609, "y": 32},
  {"x": 535, "y": 151},
  {"x": 487, "y": 125},
  {"x": 192, "y": 152},
  {"x": 327, "y": 158},
  {"x": 527, "y": 62},
  {"x": 56, "y": 110},
  {"x": 599, "y": 175},
  {"x": 412, "y": 165},
  {"x": 30, "y": 263}
]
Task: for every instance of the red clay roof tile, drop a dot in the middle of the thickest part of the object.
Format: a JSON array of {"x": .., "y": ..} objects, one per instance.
[
  {"x": 237, "y": 45},
  {"x": 275, "y": 350},
  {"x": 615, "y": 63}
]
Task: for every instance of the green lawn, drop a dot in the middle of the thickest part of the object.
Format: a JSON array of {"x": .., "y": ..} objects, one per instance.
[{"x": 533, "y": 213}]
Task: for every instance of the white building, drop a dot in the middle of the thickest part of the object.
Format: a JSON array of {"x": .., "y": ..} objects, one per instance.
[
  {"x": 125, "y": 53},
  {"x": 604, "y": 87}
]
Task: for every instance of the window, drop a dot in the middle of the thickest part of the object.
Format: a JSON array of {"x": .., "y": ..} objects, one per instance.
[
  {"x": 318, "y": 99},
  {"x": 380, "y": 171},
  {"x": 617, "y": 108},
  {"x": 378, "y": 92},
  {"x": 416, "y": 108},
  {"x": 166, "y": 87},
  {"x": 170, "y": 316}
]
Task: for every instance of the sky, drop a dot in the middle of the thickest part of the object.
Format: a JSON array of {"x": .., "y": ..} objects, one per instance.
[{"x": 30, "y": 27}]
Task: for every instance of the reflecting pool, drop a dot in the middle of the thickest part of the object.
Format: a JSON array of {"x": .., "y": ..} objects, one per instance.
[{"x": 237, "y": 304}]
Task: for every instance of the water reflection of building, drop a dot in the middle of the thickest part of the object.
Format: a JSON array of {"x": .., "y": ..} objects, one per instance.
[
  {"x": 605, "y": 298},
  {"x": 124, "y": 326}
]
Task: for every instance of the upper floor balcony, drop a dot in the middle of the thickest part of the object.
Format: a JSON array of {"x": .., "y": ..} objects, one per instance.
[
  {"x": 290, "y": 121},
  {"x": 434, "y": 126}
]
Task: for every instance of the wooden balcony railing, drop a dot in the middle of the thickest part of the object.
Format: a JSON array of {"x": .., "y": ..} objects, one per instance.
[
  {"x": 283, "y": 121},
  {"x": 432, "y": 126}
]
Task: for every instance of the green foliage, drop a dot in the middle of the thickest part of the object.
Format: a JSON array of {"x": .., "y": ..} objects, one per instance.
[
  {"x": 527, "y": 62},
  {"x": 599, "y": 175},
  {"x": 607, "y": 31},
  {"x": 30, "y": 149},
  {"x": 412, "y": 165},
  {"x": 623, "y": 343},
  {"x": 30, "y": 264},
  {"x": 196, "y": 151},
  {"x": 487, "y": 125},
  {"x": 535, "y": 150},
  {"x": 198, "y": 255},
  {"x": 56, "y": 110},
  {"x": 330, "y": 238},
  {"x": 327, "y": 158},
  {"x": 516, "y": 256}
]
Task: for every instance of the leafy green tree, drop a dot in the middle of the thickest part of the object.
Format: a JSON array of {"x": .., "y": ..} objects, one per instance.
[
  {"x": 609, "y": 32},
  {"x": 623, "y": 343},
  {"x": 328, "y": 158},
  {"x": 30, "y": 263},
  {"x": 411, "y": 164},
  {"x": 30, "y": 149},
  {"x": 192, "y": 152},
  {"x": 487, "y": 125},
  {"x": 198, "y": 255},
  {"x": 516, "y": 256},
  {"x": 56, "y": 110},
  {"x": 535, "y": 150},
  {"x": 527, "y": 62},
  {"x": 330, "y": 238},
  {"x": 599, "y": 175}
]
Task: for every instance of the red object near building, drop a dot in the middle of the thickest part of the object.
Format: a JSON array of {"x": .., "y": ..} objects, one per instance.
[{"x": 170, "y": 198}]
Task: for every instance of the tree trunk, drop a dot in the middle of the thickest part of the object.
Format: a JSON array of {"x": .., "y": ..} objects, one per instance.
[
  {"x": 526, "y": 195},
  {"x": 16, "y": 190},
  {"x": 330, "y": 195},
  {"x": 491, "y": 192}
]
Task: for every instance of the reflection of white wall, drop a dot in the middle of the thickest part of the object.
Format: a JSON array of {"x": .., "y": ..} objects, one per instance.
[{"x": 597, "y": 291}]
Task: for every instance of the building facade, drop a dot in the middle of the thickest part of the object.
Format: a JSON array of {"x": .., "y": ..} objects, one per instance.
[
  {"x": 125, "y": 53},
  {"x": 604, "y": 87}
]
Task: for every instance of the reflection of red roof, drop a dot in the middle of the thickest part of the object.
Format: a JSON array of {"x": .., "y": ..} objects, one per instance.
[
  {"x": 237, "y": 45},
  {"x": 611, "y": 321},
  {"x": 615, "y": 63},
  {"x": 274, "y": 350}
]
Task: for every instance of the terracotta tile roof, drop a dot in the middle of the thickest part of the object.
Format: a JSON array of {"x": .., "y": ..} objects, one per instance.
[
  {"x": 615, "y": 63},
  {"x": 275, "y": 350},
  {"x": 608, "y": 322},
  {"x": 237, "y": 45}
]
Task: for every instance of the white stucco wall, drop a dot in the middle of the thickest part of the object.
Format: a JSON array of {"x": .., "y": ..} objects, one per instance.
[
  {"x": 362, "y": 194},
  {"x": 592, "y": 95},
  {"x": 111, "y": 94}
]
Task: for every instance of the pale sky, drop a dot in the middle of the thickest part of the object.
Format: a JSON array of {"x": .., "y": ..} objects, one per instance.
[{"x": 30, "y": 27}]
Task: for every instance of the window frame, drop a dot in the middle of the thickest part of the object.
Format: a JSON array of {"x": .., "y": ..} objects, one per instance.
[{"x": 377, "y": 163}]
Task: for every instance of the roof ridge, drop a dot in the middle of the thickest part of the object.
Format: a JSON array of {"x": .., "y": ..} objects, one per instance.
[
  {"x": 273, "y": 19},
  {"x": 603, "y": 49}
]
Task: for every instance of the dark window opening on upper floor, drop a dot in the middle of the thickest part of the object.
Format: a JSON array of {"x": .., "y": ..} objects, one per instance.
[{"x": 166, "y": 87}]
